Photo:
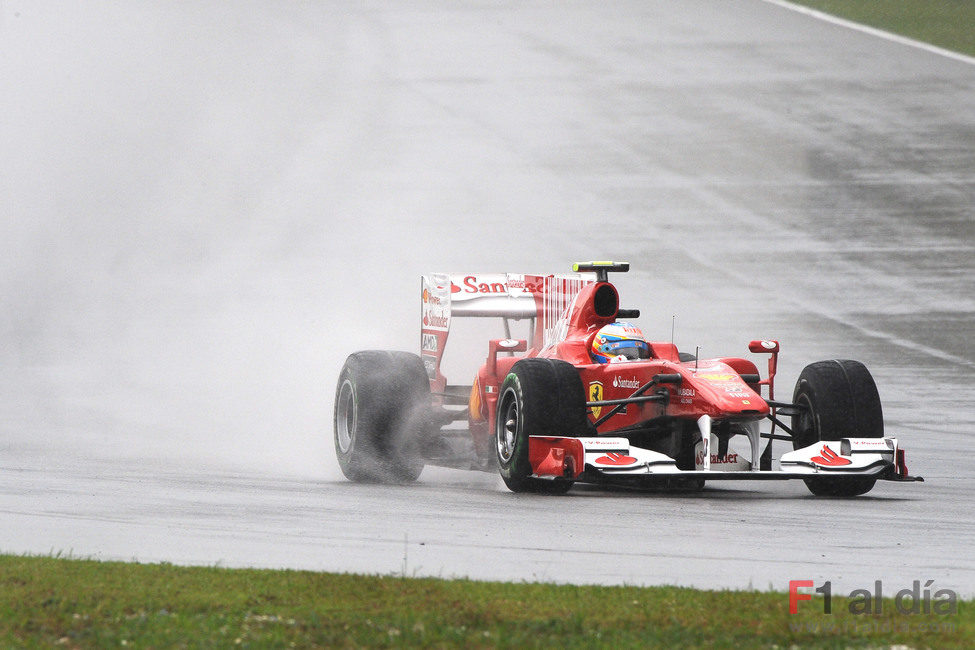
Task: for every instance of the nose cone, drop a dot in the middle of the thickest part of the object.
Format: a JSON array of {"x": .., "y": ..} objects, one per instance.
[{"x": 722, "y": 393}]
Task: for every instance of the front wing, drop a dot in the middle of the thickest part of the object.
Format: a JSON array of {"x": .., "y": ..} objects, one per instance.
[{"x": 603, "y": 459}]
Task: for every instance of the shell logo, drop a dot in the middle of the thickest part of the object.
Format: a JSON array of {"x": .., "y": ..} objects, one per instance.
[{"x": 474, "y": 404}]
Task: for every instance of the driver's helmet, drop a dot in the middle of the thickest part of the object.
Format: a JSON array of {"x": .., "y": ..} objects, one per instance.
[{"x": 619, "y": 342}]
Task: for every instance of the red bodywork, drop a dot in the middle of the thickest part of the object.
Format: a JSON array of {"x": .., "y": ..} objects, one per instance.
[
  {"x": 712, "y": 387},
  {"x": 666, "y": 418}
]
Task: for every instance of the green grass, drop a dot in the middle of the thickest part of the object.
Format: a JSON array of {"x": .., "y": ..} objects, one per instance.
[
  {"x": 48, "y": 602},
  {"x": 946, "y": 23}
]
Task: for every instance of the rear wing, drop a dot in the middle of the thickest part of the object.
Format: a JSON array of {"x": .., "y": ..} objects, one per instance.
[{"x": 544, "y": 299}]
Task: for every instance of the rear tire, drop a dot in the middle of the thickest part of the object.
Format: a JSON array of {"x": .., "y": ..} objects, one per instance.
[
  {"x": 538, "y": 397},
  {"x": 838, "y": 398},
  {"x": 382, "y": 403}
]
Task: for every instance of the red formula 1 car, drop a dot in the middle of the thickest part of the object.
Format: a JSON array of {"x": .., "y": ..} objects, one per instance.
[{"x": 585, "y": 398}]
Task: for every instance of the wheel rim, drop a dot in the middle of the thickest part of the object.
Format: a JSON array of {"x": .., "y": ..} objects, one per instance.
[
  {"x": 507, "y": 427},
  {"x": 345, "y": 416}
]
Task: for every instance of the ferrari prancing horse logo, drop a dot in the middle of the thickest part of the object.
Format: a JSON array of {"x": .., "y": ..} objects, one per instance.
[{"x": 595, "y": 395}]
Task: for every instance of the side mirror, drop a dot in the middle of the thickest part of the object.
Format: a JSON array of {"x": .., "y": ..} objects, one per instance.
[
  {"x": 763, "y": 346},
  {"x": 771, "y": 348},
  {"x": 502, "y": 345},
  {"x": 509, "y": 345}
]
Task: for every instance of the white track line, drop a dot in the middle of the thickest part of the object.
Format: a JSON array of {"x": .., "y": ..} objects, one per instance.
[{"x": 964, "y": 58}]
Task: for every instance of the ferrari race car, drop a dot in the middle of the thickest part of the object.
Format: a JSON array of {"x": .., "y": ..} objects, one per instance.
[{"x": 585, "y": 398}]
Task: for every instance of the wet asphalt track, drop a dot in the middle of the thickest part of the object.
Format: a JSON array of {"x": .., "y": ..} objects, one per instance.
[{"x": 204, "y": 210}]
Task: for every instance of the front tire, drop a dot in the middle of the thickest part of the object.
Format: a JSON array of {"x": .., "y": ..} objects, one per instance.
[
  {"x": 838, "y": 399},
  {"x": 538, "y": 397},
  {"x": 381, "y": 406}
]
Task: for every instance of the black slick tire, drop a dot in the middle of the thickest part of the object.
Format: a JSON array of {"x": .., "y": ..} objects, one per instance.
[
  {"x": 836, "y": 399},
  {"x": 382, "y": 404},
  {"x": 538, "y": 397}
]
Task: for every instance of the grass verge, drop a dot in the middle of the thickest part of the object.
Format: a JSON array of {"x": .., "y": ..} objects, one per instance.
[
  {"x": 946, "y": 23},
  {"x": 83, "y": 603}
]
